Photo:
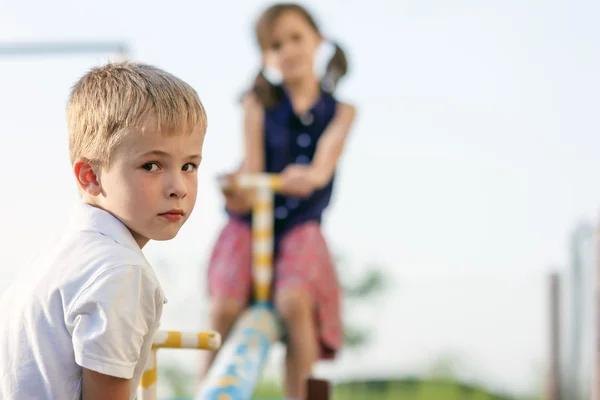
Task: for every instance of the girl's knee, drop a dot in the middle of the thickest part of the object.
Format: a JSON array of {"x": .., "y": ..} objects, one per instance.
[
  {"x": 225, "y": 310},
  {"x": 293, "y": 304}
]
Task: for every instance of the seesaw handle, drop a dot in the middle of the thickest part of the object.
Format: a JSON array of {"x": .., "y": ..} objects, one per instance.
[
  {"x": 186, "y": 340},
  {"x": 264, "y": 185},
  {"x": 172, "y": 340},
  {"x": 263, "y": 181}
]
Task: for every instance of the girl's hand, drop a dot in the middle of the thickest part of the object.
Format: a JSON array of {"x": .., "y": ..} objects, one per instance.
[
  {"x": 237, "y": 201},
  {"x": 297, "y": 181}
]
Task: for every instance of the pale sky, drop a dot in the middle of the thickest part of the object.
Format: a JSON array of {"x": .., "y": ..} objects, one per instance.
[{"x": 473, "y": 157}]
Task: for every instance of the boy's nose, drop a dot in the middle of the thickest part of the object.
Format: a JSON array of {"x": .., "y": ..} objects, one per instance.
[{"x": 177, "y": 187}]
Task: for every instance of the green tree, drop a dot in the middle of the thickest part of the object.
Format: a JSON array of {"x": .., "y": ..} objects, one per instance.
[
  {"x": 371, "y": 282},
  {"x": 445, "y": 367}
]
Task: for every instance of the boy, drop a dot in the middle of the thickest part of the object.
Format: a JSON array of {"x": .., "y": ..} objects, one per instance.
[{"x": 80, "y": 325}]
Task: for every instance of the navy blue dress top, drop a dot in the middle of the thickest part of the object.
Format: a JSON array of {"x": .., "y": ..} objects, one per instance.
[{"x": 292, "y": 139}]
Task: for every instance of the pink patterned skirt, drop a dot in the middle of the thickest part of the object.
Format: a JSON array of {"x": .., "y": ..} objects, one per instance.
[{"x": 303, "y": 260}]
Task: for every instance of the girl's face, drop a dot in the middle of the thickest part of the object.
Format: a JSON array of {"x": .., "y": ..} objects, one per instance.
[{"x": 292, "y": 47}]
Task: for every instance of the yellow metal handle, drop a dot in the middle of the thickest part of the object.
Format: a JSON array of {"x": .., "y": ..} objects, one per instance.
[
  {"x": 186, "y": 340},
  {"x": 172, "y": 340},
  {"x": 264, "y": 186},
  {"x": 250, "y": 181}
]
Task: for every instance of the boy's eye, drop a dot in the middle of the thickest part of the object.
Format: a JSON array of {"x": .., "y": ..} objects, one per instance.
[
  {"x": 189, "y": 167},
  {"x": 150, "y": 167}
]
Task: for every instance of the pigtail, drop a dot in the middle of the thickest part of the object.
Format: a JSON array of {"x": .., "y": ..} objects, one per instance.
[
  {"x": 267, "y": 93},
  {"x": 267, "y": 90},
  {"x": 336, "y": 69}
]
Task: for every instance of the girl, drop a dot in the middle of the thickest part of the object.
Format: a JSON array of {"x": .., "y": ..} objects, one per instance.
[{"x": 295, "y": 127}]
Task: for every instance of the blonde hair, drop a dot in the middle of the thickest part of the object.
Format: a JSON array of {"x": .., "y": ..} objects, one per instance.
[{"x": 111, "y": 100}]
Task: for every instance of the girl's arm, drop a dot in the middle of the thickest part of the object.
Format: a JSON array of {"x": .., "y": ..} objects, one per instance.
[
  {"x": 331, "y": 145},
  {"x": 253, "y": 135},
  {"x": 240, "y": 201}
]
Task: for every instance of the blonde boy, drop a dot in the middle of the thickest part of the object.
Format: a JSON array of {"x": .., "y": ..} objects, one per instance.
[{"x": 80, "y": 322}]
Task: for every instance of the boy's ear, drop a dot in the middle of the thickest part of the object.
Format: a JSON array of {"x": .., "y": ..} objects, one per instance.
[{"x": 86, "y": 176}]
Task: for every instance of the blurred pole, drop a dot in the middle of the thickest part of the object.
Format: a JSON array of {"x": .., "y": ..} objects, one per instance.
[
  {"x": 24, "y": 49},
  {"x": 554, "y": 390},
  {"x": 596, "y": 384},
  {"x": 572, "y": 388}
]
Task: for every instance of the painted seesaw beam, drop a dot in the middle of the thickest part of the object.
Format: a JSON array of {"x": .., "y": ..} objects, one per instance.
[{"x": 239, "y": 363}]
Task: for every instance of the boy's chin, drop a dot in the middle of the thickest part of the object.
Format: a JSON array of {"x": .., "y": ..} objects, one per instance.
[{"x": 165, "y": 235}]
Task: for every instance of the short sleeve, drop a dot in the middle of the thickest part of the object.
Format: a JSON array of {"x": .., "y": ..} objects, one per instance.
[{"x": 111, "y": 318}]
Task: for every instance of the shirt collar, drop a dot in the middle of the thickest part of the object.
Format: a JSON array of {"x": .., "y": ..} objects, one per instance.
[{"x": 89, "y": 218}]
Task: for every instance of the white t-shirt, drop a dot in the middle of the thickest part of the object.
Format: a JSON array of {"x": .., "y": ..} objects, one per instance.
[{"x": 92, "y": 301}]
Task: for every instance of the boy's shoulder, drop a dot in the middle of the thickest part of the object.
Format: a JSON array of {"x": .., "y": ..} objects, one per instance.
[
  {"x": 96, "y": 246},
  {"x": 98, "y": 233},
  {"x": 92, "y": 253}
]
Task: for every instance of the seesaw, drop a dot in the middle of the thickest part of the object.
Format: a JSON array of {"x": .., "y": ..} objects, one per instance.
[
  {"x": 172, "y": 340},
  {"x": 240, "y": 361}
]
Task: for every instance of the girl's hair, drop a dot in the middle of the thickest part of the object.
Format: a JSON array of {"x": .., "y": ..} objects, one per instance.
[{"x": 268, "y": 94}]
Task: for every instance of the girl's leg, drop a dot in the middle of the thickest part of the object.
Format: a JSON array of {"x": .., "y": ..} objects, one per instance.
[
  {"x": 307, "y": 298},
  {"x": 229, "y": 280},
  {"x": 296, "y": 310}
]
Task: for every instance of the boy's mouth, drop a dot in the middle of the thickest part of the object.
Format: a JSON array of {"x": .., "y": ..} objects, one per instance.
[{"x": 173, "y": 215}]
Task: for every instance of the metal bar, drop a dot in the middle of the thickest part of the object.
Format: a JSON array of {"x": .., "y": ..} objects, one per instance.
[
  {"x": 62, "y": 48},
  {"x": 596, "y": 383},
  {"x": 172, "y": 340},
  {"x": 578, "y": 308},
  {"x": 147, "y": 388},
  {"x": 186, "y": 340},
  {"x": 262, "y": 244},
  {"x": 250, "y": 181},
  {"x": 555, "y": 392},
  {"x": 264, "y": 185}
]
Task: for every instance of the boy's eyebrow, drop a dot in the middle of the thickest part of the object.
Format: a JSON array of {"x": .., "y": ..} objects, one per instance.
[{"x": 160, "y": 153}]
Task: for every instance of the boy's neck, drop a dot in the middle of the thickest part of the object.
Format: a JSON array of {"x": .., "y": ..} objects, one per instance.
[
  {"x": 139, "y": 239},
  {"x": 303, "y": 94}
]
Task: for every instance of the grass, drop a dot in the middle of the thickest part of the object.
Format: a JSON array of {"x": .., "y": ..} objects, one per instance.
[
  {"x": 400, "y": 389},
  {"x": 406, "y": 389}
]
